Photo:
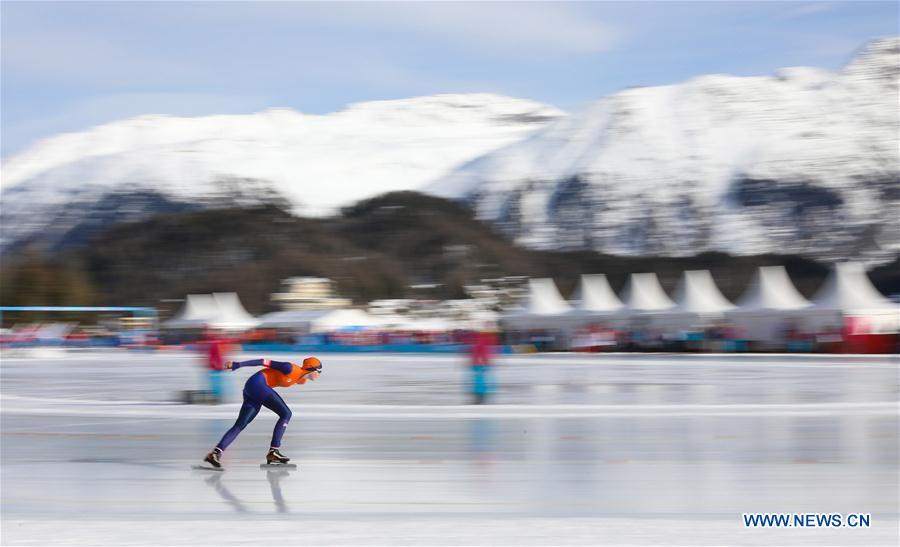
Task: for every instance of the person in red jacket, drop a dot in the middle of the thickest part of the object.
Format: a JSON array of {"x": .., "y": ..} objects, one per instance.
[
  {"x": 258, "y": 393},
  {"x": 482, "y": 345},
  {"x": 215, "y": 349}
]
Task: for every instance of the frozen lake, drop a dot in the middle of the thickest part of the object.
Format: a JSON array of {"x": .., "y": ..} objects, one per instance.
[{"x": 577, "y": 450}]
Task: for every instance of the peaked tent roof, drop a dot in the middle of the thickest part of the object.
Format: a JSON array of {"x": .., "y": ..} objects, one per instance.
[
  {"x": 697, "y": 293},
  {"x": 644, "y": 293},
  {"x": 543, "y": 307},
  {"x": 595, "y": 295},
  {"x": 232, "y": 314},
  {"x": 544, "y": 298},
  {"x": 771, "y": 289},
  {"x": 219, "y": 310},
  {"x": 198, "y": 310},
  {"x": 849, "y": 288}
]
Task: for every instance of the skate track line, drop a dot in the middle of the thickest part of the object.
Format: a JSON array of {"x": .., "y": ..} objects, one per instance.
[{"x": 14, "y": 404}]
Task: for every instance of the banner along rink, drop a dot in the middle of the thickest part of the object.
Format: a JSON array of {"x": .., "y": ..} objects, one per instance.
[{"x": 577, "y": 450}]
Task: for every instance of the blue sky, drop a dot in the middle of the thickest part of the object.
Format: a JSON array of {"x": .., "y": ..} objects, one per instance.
[{"x": 71, "y": 65}]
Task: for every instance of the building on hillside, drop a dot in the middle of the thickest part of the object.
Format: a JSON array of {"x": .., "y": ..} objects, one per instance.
[
  {"x": 309, "y": 293},
  {"x": 500, "y": 293}
]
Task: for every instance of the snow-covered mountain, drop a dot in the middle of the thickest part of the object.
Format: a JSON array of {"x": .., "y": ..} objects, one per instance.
[
  {"x": 318, "y": 163},
  {"x": 805, "y": 161}
]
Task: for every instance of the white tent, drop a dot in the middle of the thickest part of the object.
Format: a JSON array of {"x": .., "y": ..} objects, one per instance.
[
  {"x": 697, "y": 293},
  {"x": 544, "y": 298},
  {"x": 768, "y": 306},
  {"x": 698, "y": 303},
  {"x": 198, "y": 311},
  {"x": 595, "y": 295},
  {"x": 644, "y": 295},
  {"x": 543, "y": 308},
  {"x": 594, "y": 301},
  {"x": 771, "y": 289},
  {"x": 218, "y": 311},
  {"x": 232, "y": 315},
  {"x": 848, "y": 293},
  {"x": 314, "y": 321}
]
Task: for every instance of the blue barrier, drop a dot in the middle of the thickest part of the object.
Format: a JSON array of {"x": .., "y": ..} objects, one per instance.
[
  {"x": 106, "y": 342},
  {"x": 799, "y": 346}
]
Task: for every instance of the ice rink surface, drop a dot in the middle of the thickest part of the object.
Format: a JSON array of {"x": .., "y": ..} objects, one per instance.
[{"x": 575, "y": 450}]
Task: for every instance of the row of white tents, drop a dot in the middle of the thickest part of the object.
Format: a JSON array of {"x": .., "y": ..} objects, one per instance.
[
  {"x": 770, "y": 302},
  {"x": 761, "y": 313}
]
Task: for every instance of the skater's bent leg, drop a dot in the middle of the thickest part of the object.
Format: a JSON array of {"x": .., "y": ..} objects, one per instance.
[
  {"x": 249, "y": 410},
  {"x": 276, "y": 404}
]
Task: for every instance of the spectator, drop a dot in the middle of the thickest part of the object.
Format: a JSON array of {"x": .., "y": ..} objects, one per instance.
[
  {"x": 482, "y": 345},
  {"x": 215, "y": 349}
]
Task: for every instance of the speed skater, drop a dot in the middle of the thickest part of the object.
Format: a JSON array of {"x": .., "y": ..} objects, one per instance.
[{"x": 258, "y": 393}]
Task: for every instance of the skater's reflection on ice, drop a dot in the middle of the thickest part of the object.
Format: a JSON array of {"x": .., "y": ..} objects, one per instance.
[
  {"x": 215, "y": 480},
  {"x": 273, "y": 477}
]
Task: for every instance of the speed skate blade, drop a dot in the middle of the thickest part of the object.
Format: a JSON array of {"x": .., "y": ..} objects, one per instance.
[
  {"x": 278, "y": 466},
  {"x": 207, "y": 468}
]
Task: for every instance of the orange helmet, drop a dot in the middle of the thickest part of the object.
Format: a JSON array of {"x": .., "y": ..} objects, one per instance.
[{"x": 311, "y": 363}]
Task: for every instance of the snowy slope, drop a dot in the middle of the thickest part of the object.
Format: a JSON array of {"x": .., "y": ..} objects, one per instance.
[
  {"x": 317, "y": 162},
  {"x": 805, "y": 161}
]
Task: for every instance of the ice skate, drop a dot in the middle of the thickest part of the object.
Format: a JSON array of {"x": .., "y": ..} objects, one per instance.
[
  {"x": 213, "y": 459},
  {"x": 276, "y": 457},
  {"x": 277, "y": 460}
]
